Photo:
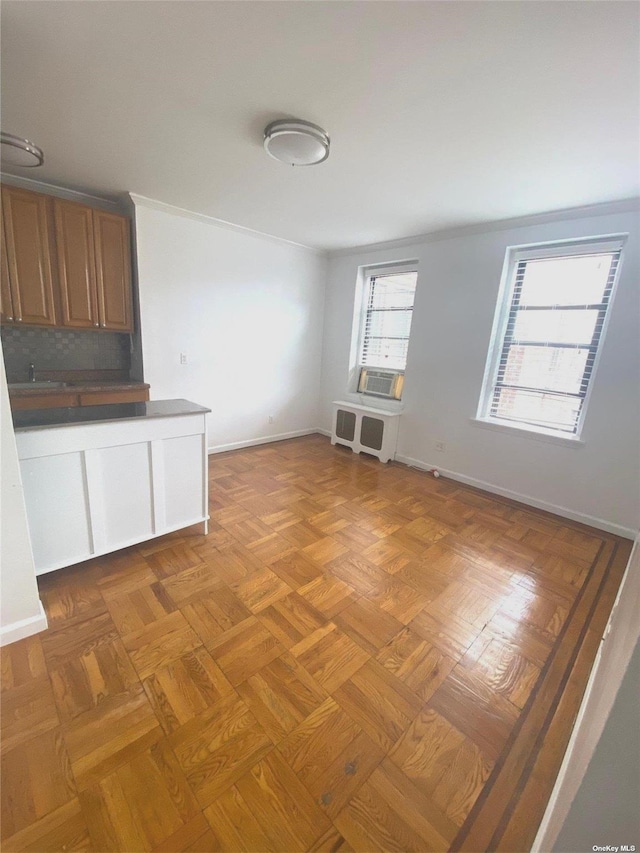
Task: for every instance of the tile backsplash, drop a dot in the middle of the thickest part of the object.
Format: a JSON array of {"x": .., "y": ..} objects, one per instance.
[{"x": 62, "y": 349}]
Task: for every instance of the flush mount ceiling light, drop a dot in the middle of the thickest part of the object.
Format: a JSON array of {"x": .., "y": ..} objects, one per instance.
[
  {"x": 19, "y": 152},
  {"x": 296, "y": 142}
]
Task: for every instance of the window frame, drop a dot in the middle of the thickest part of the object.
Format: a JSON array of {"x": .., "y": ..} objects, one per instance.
[
  {"x": 368, "y": 274},
  {"x": 506, "y": 310}
]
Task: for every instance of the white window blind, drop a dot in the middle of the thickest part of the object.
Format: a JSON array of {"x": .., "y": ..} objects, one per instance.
[
  {"x": 387, "y": 321},
  {"x": 554, "y": 324}
]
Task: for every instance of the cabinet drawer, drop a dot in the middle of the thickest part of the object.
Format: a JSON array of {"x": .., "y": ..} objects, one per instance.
[
  {"x": 100, "y": 398},
  {"x": 44, "y": 401}
]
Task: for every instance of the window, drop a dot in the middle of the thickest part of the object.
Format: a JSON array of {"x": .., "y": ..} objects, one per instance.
[
  {"x": 385, "y": 327},
  {"x": 548, "y": 330},
  {"x": 387, "y": 320}
]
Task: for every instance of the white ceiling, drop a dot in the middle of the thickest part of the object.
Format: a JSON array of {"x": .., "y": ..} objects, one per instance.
[{"x": 441, "y": 114}]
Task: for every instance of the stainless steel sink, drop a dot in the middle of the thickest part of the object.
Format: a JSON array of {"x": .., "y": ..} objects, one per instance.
[{"x": 19, "y": 386}]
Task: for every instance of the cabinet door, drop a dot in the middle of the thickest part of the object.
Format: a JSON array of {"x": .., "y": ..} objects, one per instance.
[
  {"x": 6, "y": 304},
  {"x": 76, "y": 264},
  {"x": 58, "y": 509},
  {"x": 113, "y": 270},
  {"x": 28, "y": 253}
]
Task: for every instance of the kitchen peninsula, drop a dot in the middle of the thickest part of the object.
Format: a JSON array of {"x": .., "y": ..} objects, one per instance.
[{"x": 100, "y": 478}]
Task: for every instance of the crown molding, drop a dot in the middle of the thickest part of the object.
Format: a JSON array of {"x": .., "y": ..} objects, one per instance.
[
  {"x": 143, "y": 201},
  {"x": 105, "y": 202},
  {"x": 629, "y": 205}
]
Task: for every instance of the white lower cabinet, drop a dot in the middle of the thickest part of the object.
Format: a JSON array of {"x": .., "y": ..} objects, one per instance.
[{"x": 94, "y": 488}]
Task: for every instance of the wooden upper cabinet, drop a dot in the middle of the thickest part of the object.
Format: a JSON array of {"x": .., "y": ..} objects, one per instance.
[
  {"x": 76, "y": 264},
  {"x": 27, "y": 242},
  {"x": 64, "y": 264},
  {"x": 113, "y": 270}
]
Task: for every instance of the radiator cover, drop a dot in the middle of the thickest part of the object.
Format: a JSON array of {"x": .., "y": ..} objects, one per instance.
[{"x": 365, "y": 429}]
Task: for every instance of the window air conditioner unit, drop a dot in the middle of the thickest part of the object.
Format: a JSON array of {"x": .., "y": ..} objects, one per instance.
[{"x": 381, "y": 383}]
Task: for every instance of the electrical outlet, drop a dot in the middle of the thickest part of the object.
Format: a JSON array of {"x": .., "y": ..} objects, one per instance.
[
  {"x": 440, "y": 446},
  {"x": 183, "y": 358},
  {"x": 270, "y": 419}
]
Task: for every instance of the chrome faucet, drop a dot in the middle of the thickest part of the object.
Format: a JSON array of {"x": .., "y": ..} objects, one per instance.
[{"x": 32, "y": 372}]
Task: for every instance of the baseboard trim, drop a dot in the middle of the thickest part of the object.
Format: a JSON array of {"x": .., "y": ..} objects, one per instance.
[
  {"x": 24, "y": 627},
  {"x": 265, "y": 439},
  {"x": 563, "y": 511}
]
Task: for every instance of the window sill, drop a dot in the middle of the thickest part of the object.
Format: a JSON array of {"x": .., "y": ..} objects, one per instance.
[{"x": 529, "y": 432}]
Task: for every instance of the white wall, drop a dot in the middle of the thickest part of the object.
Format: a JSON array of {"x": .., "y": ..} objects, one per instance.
[
  {"x": 21, "y": 613},
  {"x": 605, "y": 809},
  {"x": 248, "y": 312},
  {"x": 458, "y": 281},
  {"x": 599, "y": 734}
]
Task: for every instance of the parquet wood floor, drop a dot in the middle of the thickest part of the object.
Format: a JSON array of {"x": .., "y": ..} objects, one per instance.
[{"x": 357, "y": 657}]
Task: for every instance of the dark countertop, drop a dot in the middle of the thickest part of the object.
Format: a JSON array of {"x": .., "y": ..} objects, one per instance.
[
  {"x": 77, "y": 387},
  {"x": 36, "y": 419}
]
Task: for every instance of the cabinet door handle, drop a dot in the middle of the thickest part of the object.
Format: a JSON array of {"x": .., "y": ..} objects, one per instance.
[
  {"x": 103, "y": 325},
  {"x": 9, "y": 318},
  {"x": 96, "y": 324}
]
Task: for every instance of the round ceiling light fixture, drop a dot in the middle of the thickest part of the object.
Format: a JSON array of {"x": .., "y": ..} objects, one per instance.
[
  {"x": 296, "y": 142},
  {"x": 17, "y": 151}
]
